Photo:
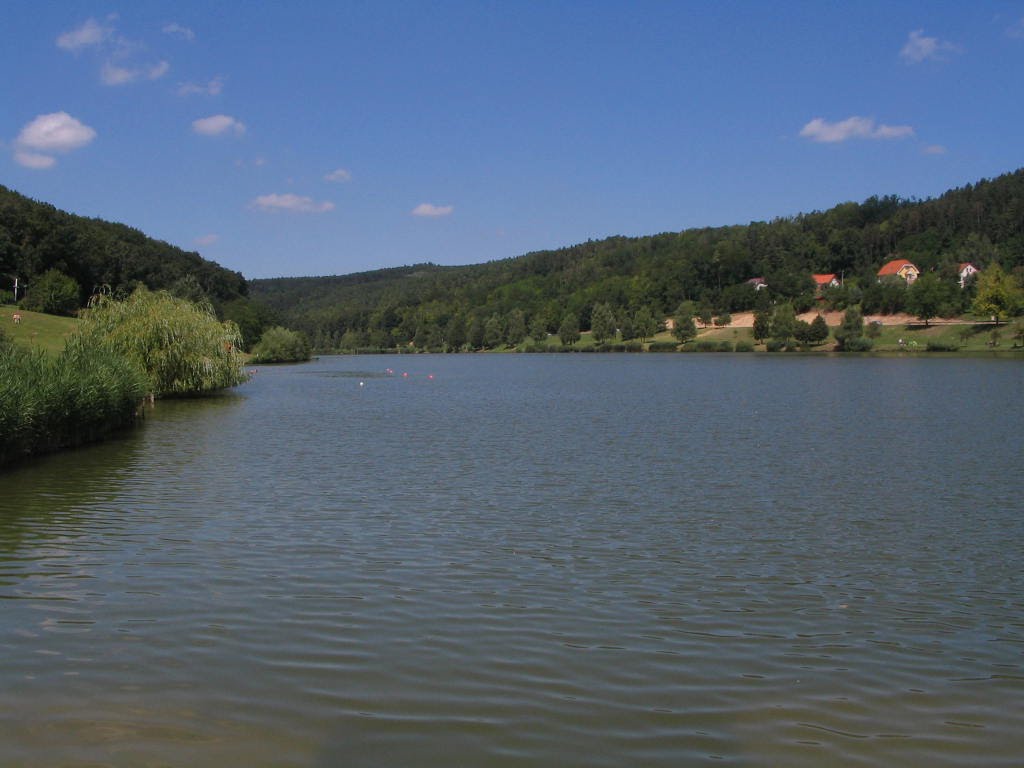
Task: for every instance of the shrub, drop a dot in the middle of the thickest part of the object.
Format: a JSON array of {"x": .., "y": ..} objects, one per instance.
[
  {"x": 775, "y": 345},
  {"x": 662, "y": 346},
  {"x": 744, "y": 346},
  {"x": 858, "y": 344},
  {"x": 280, "y": 345},
  {"x": 724, "y": 346},
  {"x": 939, "y": 345},
  {"x": 706, "y": 345}
]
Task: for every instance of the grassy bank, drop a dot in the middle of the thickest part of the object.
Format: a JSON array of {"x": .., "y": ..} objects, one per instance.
[{"x": 46, "y": 332}]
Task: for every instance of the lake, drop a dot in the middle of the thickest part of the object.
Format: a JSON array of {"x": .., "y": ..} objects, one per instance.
[{"x": 530, "y": 560}]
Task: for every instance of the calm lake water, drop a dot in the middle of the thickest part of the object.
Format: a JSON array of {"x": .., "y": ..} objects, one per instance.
[{"x": 566, "y": 560}]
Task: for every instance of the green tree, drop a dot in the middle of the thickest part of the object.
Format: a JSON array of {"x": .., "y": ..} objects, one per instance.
[
  {"x": 54, "y": 293},
  {"x": 783, "y": 322},
  {"x": 569, "y": 330},
  {"x": 927, "y": 296},
  {"x": 182, "y": 347},
  {"x": 494, "y": 332},
  {"x": 538, "y": 328},
  {"x": 626, "y": 327},
  {"x": 685, "y": 329},
  {"x": 851, "y": 328},
  {"x": 998, "y": 295},
  {"x": 644, "y": 323},
  {"x": 762, "y": 324},
  {"x": 723, "y": 320},
  {"x": 281, "y": 345},
  {"x": 475, "y": 333},
  {"x": 602, "y": 323},
  {"x": 515, "y": 329},
  {"x": 819, "y": 330},
  {"x": 705, "y": 313}
]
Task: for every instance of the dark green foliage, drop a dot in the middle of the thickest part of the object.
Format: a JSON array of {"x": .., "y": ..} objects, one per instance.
[
  {"x": 280, "y": 345},
  {"x": 52, "y": 292},
  {"x": 762, "y": 324},
  {"x": 850, "y": 330},
  {"x": 857, "y": 344},
  {"x": 515, "y": 328},
  {"x": 938, "y": 345},
  {"x": 602, "y": 323},
  {"x": 928, "y": 295},
  {"x": 784, "y": 322},
  {"x": 569, "y": 330},
  {"x": 819, "y": 330},
  {"x": 662, "y": 346},
  {"x": 744, "y": 346}
]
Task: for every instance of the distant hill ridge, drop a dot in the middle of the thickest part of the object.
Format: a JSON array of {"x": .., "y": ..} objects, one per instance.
[
  {"x": 36, "y": 237},
  {"x": 979, "y": 223}
]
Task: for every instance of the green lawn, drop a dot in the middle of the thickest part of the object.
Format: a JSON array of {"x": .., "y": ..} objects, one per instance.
[{"x": 36, "y": 329}]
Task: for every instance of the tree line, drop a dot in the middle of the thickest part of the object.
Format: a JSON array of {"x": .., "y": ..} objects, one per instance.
[{"x": 631, "y": 281}]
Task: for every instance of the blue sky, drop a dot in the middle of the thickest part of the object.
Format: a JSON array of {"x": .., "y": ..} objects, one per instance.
[{"x": 311, "y": 138}]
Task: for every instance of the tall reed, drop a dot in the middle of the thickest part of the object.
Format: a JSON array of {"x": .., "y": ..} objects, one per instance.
[{"x": 49, "y": 403}]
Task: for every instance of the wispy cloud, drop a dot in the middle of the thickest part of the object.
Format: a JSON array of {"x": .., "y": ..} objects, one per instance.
[
  {"x": 935, "y": 149},
  {"x": 217, "y": 125},
  {"x": 112, "y": 74},
  {"x": 432, "y": 211},
  {"x": 174, "y": 29},
  {"x": 341, "y": 174},
  {"x": 1017, "y": 30},
  {"x": 46, "y": 135},
  {"x": 124, "y": 59},
  {"x": 292, "y": 203},
  {"x": 822, "y": 131},
  {"x": 209, "y": 239},
  {"x": 919, "y": 47},
  {"x": 91, "y": 34},
  {"x": 212, "y": 88}
]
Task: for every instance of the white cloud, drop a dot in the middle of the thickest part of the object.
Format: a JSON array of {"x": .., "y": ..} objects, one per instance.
[
  {"x": 855, "y": 127},
  {"x": 159, "y": 70},
  {"x": 112, "y": 74},
  {"x": 920, "y": 48},
  {"x": 291, "y": 202},
  {"x": 209, "y": 239},
  {"x": 174, "y": 29},
  {"x": 341, "y": 174},
  {"x": 935, "y": 149},
  {"x": 90, "y": 34},
  {"x": 215, "y": 125},
  {"x": 432, "y": 211},
  {"x": 33, "y": 160},
  {"x": 57, "y": 132},
  {"x": 212, "y": 88}
]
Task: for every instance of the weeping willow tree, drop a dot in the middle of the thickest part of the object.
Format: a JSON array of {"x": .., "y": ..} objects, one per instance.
[{"x": 181, "y": 346}]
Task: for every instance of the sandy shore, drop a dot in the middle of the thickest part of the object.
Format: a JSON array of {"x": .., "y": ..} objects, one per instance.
[{"x": 746, "y": 319}]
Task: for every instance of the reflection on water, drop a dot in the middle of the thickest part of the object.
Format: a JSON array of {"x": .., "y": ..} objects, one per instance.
[{"x": 572, "y": 560}]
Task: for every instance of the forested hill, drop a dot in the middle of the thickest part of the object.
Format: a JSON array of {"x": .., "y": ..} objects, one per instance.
[
  {"x": 980, "y": 223},
  {"x": 36, "y": 238}
]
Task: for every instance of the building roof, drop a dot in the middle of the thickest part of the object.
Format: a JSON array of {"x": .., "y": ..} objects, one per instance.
[
  {"x": 823, "y": 279},
  {"x": 964, "y": 265},
  {"x": 893, "y": 267}
]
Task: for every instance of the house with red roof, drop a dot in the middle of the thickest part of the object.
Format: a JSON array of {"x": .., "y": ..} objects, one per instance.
[
  {"x": 899, "y": 269},
  {"x": 821, "y": 282},
  {"x": 966, "y": 270}
]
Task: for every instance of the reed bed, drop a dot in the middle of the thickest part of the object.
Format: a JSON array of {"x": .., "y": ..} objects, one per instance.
[{"x": 48, "y": 403}]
